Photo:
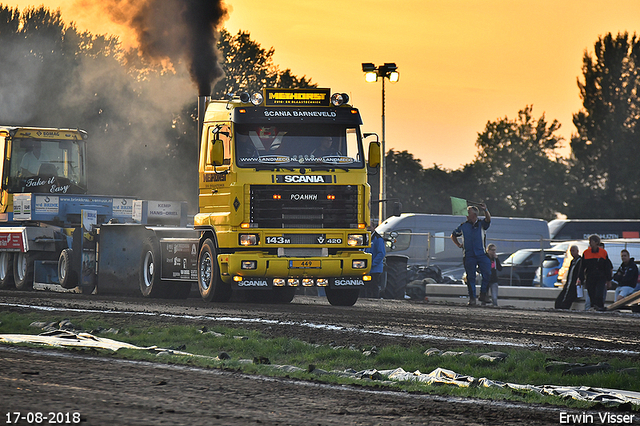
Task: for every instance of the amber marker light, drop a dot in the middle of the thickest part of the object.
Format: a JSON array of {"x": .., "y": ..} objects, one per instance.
[
  {"x": 277, "y": 196},
  {"x": 331, "y": 197},
  {"x": 245, "y": 225},
  {"x": 362, "y": 226}
]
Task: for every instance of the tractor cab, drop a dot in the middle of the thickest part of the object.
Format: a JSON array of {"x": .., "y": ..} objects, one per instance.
[{"x": 41, "y": 160}]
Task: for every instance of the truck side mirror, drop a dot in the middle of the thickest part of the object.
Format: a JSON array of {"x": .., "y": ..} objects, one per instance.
[
  {"x": 374, "y": 154},
  {"x": 216, "y": 153}
]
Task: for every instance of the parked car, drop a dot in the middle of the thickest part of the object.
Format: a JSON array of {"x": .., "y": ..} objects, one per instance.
[
  {"x": 612, "y": 247},
  {"x": 549, "y": 271},
  {"x": 519, "y": 269},
  {"x": 501, "y": 257}
]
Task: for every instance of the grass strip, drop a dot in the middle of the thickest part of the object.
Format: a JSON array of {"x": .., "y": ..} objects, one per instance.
[{"x": 249, "y": 352}]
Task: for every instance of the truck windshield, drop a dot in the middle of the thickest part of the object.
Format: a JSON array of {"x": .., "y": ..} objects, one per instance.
[
  {"x": 298, "y": 145},
  {"x": 47, "y": 166}
]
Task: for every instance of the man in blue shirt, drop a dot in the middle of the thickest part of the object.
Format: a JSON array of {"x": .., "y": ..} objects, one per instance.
[
  {"x": 472, "y": 232},
  {"x": 378, "y": 251}
]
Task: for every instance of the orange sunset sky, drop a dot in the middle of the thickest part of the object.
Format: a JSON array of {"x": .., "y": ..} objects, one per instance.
[{"x": 461, "y": 63}]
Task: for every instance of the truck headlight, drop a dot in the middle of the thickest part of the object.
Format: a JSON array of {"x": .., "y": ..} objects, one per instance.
[
  {"x": 248, "y": 264},
  {"x": 257, "y": 98},
  {"x": 358, "y": 264},
  {"x": 249, "y": 239},
  {"x": 355, "y": 240},
  {"x": 338, "y": 99}
]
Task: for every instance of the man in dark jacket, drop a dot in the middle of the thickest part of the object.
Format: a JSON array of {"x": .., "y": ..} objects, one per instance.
[
  {"x": 626, "y": 276},
  {"x": 595, "y": 272},
  {"x": 495, "y": 267},
  {"x": 569, "y": 293}
]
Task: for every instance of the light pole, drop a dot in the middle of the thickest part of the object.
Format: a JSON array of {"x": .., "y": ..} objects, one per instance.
[{"x": 372, "y": 73}]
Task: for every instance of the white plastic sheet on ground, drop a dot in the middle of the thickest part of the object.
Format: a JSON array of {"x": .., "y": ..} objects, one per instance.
[
  {"x": 62, "y": 338},
  {"x": 440, "y": 376},
  {"x": 583, "y": 393},
  {"x": 65, "y": 338}
]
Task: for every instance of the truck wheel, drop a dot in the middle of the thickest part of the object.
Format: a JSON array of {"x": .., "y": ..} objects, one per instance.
[
  {"x": 23, "y": 270},
  {"x": 179, "y": 290},
  {"x": 211, "y": 286},
  {"x": 283, "y": 294},
  {"x": 67, "y": 277},
  {"x": 342, "y": 296},
  {"x": 6, "y": 270},
  {"x": 149, "y": 278}
]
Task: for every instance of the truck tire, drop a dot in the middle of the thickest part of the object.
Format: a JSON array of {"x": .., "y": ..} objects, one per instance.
[
  {"x": 283, "y": 295},
  {"x": 178, "y": 290},
  {"x": 211, "y": 286},
  {"x": 149, "y": 278},
  {"x": 23, "y": 270},
  {"x": 6, "y": 270},
  {"x": 342, "y": 296},
  {"x": 67, "y": 277}
]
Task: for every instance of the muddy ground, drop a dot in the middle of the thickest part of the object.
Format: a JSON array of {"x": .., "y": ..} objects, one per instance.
[{"x": 121, "y": 392}]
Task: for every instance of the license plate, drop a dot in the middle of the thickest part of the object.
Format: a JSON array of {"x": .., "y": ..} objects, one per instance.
[{"x": 304, "y": 264}]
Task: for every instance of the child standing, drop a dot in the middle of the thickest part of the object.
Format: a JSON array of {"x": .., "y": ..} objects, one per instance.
[{"x": 495, "y": 267}]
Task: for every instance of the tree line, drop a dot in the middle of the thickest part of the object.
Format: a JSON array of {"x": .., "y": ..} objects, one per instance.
[
  {"x": 141, "y": 118},
  {"x": 518, "y": 170}
]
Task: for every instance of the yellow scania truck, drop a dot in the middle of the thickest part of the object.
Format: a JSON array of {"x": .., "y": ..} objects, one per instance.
[{"x": 283, "y": 196}]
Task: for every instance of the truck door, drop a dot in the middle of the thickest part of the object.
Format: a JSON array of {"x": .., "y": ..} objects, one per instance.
[{"x": 213, "y": 199}]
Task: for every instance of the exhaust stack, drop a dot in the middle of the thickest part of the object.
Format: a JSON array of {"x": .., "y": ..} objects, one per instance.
[{"x": 203, "y": 101}]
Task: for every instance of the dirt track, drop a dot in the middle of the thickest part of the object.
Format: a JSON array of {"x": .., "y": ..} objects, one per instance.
[{"x": 110, "y": 392}]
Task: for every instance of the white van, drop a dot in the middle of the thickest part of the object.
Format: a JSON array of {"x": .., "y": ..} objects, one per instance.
[
  {"x": 426, "y": 238},
  {"x": 606, "y": 229}
]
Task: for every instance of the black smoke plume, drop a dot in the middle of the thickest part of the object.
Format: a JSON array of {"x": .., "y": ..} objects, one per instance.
[{"x": 171, "y": 32}]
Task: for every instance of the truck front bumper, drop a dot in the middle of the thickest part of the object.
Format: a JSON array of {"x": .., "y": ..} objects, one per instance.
[{"x": 261, "y": 270}]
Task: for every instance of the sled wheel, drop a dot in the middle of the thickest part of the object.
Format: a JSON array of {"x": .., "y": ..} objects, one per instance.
[
  {"x": 6, "y": 270},
  {"x": 67, "y": 277},
  {"x": 149, "y": 278},
  {"x": 23, "y": 270},
  {"x": 178, "y": 290}
]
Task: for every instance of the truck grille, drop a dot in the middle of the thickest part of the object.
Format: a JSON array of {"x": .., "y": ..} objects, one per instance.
[{"x": 304, "y": 206}]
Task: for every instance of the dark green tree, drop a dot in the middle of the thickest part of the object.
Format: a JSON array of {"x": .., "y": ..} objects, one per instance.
[
  {"x": 249, "y": 67},
  {"x": 518, "y": 169},
  {"x": 605, "y": 170},
  {"x": 405, "y": 182}
]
